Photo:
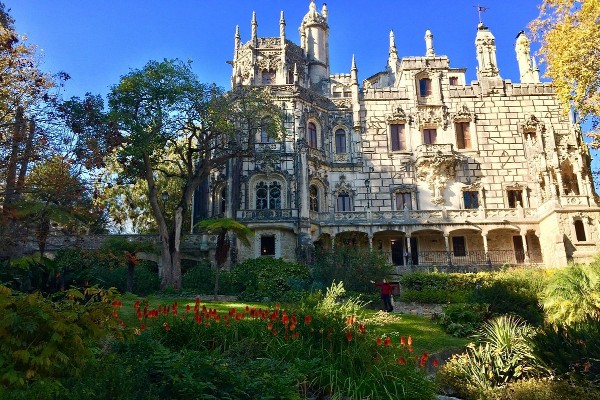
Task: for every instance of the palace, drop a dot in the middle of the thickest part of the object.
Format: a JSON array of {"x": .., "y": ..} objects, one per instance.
[{"x": 415, "y": 161}]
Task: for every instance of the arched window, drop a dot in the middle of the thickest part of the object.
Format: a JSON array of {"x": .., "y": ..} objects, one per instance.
[
  {"x": 312, "y": 135},
  {"x": 343, "y": 202},
  {"x": 340, "y": 141},
  {"x": 579, "y": 230},
  {"x": 313, "y": 194},
  {"x": 268, "y": 195}
]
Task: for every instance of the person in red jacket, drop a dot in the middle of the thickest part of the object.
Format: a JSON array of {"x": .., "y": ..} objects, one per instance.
[{"x": 386, "y": 294}]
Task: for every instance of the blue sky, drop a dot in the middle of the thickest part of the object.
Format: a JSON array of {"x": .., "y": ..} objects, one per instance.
[{"x": 97, "y": 41}]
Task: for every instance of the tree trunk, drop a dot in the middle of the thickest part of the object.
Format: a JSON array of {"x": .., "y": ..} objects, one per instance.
[
  {"x": 171, "y": 255},
  {"x": 130, "y": 274}
]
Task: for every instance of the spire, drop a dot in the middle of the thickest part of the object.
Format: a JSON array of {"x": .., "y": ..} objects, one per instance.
[
  {"x": 485, "y": 45},
  {"x": 354, "y": 71},
  {"x": 254, "y": 26},
  {"x": 295, "y": 73},
  {"x": 393, "y": 54},
  {"x": 429, "y": 44},
  {"x": 282, "y": 26},
  {"x": 527, "y": 66},
  {"x": 237, "y": 36},
  {"x": 324, "y": 11}
]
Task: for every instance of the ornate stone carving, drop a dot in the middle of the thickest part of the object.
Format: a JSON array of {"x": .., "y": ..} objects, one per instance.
[
  {"x": 269, "y": 42},
  {"x": 431, "y": 116},
  {"x": 403, "y": 188},
  {"x": 398, "y": 116},
  {"x": 436, "y": 168},
  {"x": 462, "y": 114},
  {"x": 343, "y": 187},
  {"x": 532, "y": 124},
  {"x": 268, "y": 61}
]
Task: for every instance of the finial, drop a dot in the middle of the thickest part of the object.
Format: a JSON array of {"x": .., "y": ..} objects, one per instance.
[
  {"x": 353, "y": 64},
  {"x": 237, "y": 32},
  {"x": 282, "y": 25},
  {"x": 312, "y": 6},
  {"x": 392, "y": 43},
  {"x": 295, "y": 73},
  {"x": 429, "y": 43},
  {"x": 324, "y": 11},
  {"x": 254, "y": 25}
]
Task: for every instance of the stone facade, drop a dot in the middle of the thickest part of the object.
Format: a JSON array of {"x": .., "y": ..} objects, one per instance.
[{"x": 416, "y": 162}]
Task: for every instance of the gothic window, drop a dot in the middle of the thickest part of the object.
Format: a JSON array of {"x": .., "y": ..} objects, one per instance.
[
  {"x": 454, "y": 81},
  {"x": 268, "y": 77},
  {"x": 580, "y": 230},
  {"x": 397, "y": 138},
  {"x": 340, "y": 141},
  {"x": 312, "y": 135},
  {"x": 463, "y": 135},
  {"x": 403, "y": 200},
  {"x": 529, "y": 134},
  {"x": 471, "y": 199},
  {"x": 313, "y": 194},
  {"x": 264, "y": 137},
  {"x": 343, "y": 202},
  {"x": 459, "y": 246},
  {"x": 268, "y": 195},
  {"x": 290, "y": 76},
  {"x": 429, "y": 136},
  {"x": 267, "y": 245},
  {"x": 514, "y": 196},
  {"x": 425, "y": 87}
]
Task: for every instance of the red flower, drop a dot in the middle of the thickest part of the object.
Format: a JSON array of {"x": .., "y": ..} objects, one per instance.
[
  {"x": 424, "y": 359},
  {"x": 142, "y": 327},
  {"x": 115, "y": 314},
  {"x": 285, "y": 319},
  {"x": 387, "y": 341},
  {"x": 378, "y": 341},
  {"x": 274, "y": 331},
  {"x": 350, "y": 320},
  {"x": 435, "y": 363},
  {"x": 198, "y": 319},
  {"x": 361, "y": 329},
  {"x": 410, "y": 340},
  {"x": 292, "y": 326},
  {"x": 232, "y": 312},
  {"x": 247, "y": 309},
  {"x": 296, "y": 335},
  {"x": 187, "y": 308},
  {"x": 123, "y": 324},
  {"x": 197, "y": 301},
  {"x": 139, "y": 314},
  {"x": 349, "y": 336},
  {"x": 402, "y": 341},
  {"x": 269, "y": 326},
  {"x": 402, "y": 361},
  {"x": 167, "y": 326},
  {"x": 307, "y": 320},
  {"x": 136, "y": 305}
]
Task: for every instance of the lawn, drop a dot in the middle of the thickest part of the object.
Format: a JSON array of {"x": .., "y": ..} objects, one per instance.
[{"x": 427, "y": 335}]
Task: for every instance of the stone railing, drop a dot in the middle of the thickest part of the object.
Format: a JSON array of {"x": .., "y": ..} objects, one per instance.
[
  {"x": 267, "y": 215},
  {"x": 468, "y": 258},
  {"x": 316, "y": 154},
  {"x": 428, "y": 150},
  {"x": 263, "y": 147},
  {"x": 573, "y": 200},
  {"x": 425, "y": 216},
  {"x": 341, "y": 158}
]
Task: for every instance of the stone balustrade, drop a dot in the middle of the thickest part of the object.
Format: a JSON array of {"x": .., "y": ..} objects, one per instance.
[{"x": 286, "y": 214}]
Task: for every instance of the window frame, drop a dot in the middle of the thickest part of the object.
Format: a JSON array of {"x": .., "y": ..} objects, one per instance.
[
  {"x": 397, "y": 137},
  {"x": 267, "y": 249},
  {"x": 459, "y": 242},
  {"x": 400, "y": 200},
  {"x": 340, "y": 145},
  {"x": 270, "y": 201},
  {"x": 514, "y": 196},
  {"x": 427, "y": 136},
  {"x": 469, "y": 195},
  {"x": 580, "y": 232},
  {"x": 425, "y": 87},
  {"x": 346, "y": 201},
  {"x": 312, "y": 135},
  {"x": 313, "y": 201},
  {"x": 463, "y": 138}
]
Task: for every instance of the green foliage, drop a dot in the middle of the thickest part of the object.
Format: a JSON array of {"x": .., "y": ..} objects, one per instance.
[
  {"x": 573, "y": 294},
  {"x": 503, "y": 354},
  {"x": 42, "y": 339},
  {"x": 436, "y": 287},
  {"x": 462, "y": 319},
  {"x": 354, "y": 265},
  {"x": 572, "y": 352},
  {"x": 544, "y": 389},
  {"x": 200, "y": 278},
  {"x": 266, "y": 277}
]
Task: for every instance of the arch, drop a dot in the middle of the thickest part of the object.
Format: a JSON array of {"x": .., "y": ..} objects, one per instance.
[
  {"x": 314, "y": 198},
  {"x": 267, "y": 192},
  {"x": 312, "y": 134}
]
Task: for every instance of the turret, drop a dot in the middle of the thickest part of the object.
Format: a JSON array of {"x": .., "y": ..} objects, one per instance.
[
  {"x": 393, "y": 53},
  {"x": 429, "y": 52},
  {"x": 314, "y": 36},
  {"x": 254, "y": 24},
  {"x": 528, "y": 71}
]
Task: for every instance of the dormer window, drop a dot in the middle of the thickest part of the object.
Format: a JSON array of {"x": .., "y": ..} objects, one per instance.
[{"x": 425, "y": 87}]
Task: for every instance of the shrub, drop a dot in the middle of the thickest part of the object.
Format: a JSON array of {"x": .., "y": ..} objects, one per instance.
[
  {"x": 354, "y": 265},
  {"x": 462, "y": 320},
  {"x": 572, "y": 294},
  {"x": 572, "y": 352},
  {"x": 436, "y": 288},
  {"x": 200, "y": 279},
  {"x": 544, "y": 389},
  {"x": 503, "y": 354},
  {"x": 266, "y": 277}
]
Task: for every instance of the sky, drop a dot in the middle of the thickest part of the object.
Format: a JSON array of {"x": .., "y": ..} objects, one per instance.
[{"x": 98, "y": 41}]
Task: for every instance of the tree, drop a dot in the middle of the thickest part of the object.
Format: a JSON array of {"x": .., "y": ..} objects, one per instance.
[
  {"x": 569, "y": 33},
  {"x": 126, "y": 251},
  {"x": 222, "y": 227},
  {"x": 175, "y": 127}
]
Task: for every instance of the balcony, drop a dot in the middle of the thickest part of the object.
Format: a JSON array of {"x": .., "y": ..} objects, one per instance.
[
  {"x": 314, "y": 154},
  {"x": 266, "y": 147},
  {"x": 281, "y": 215},
  {"x": 434, "y": 150}
]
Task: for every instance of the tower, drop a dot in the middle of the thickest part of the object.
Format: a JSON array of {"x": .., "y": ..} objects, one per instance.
[{"x": 314, "y": 34}]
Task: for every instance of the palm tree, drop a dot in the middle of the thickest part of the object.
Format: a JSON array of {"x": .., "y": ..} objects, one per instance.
[
  {"x": 573, "y": 294},
  {"x": 222, "y": 227}
]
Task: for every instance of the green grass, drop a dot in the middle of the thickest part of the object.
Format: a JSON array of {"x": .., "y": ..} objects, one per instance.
[{"x": 427, "y": 335}]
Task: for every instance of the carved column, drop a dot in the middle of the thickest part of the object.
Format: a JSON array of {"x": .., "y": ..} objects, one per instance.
[
  {"x": 332, "y": 242},
  {"x": 485, "y": 249},
  {"x": 525, "y": 249},
  {"x": 408, "y": 260},
  {"x": 370, "y": 235},
  {"x": 447, "y": 243}
]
